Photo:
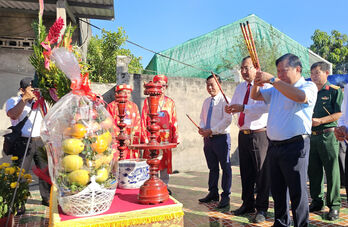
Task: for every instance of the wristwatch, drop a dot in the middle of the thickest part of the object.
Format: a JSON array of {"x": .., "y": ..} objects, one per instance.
[{"x": 271, "y": 81}]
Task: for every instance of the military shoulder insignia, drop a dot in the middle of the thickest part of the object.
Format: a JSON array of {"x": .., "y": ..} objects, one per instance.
[
  {"x": 334, "y": 86},
  {"x": 324, "y": 98}
]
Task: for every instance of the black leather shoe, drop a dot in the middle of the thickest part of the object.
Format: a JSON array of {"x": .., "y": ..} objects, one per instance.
[
  {"x": 259, "y": 217},
  {"x": 244, "y": 210},
  {"x": 313, "y": 207},
  {"x": 333, "y": 215},
  {"x": 209, "y": 198},
  {"x": 224, "y": 203}
]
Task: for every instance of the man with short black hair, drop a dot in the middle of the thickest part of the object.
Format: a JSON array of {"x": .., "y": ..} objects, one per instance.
[
  {"x": 252, "y": 145},
  {"x": 17, "y": 108},
  {"x": 324, "y": 146},
  {"x": 215, "y": 130},
  {"x": 291, "y": 101}
]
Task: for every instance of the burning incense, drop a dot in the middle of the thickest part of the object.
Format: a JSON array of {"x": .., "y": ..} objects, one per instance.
[
  {"x": 192, "y": 121},
  {"x": 254, "y": 47},
  {"x": 220, "y": 87},
  {"x": 249, "y": 41}
]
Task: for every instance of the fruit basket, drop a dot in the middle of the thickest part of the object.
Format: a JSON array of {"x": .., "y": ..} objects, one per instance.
[{"x": 77, "y": 132}]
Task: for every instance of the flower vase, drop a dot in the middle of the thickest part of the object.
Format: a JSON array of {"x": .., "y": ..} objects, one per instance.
[{"x": 4, "y": 220}]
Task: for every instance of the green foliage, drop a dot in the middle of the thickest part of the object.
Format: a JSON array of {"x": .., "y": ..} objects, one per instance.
[
  {"x": 53, "y": 77},
  {"x": 333, "y": 48},
  {"x": 267, "y": 51},
  {"x": 102, "y": 53},
  {"x": 8, "y": 178}
]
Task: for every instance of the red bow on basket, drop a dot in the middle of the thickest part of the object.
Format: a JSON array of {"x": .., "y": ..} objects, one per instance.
[{"x": 83, "y": 87}]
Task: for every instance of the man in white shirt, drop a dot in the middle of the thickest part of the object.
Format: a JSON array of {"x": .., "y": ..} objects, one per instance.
[
  {"x": 289, "y": 122},
  {"x": 17, "y": 108},
  {"x": 341, "y": 132},
  {"x": 214, "y": 128},
  {"x": 252, "y": 145}
]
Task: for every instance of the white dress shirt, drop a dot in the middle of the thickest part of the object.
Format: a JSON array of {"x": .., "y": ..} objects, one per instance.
[
  {"x": 343, "y": 120},
  {"x": 220, "y": 120},
  {"x": 256, "y": 112}
]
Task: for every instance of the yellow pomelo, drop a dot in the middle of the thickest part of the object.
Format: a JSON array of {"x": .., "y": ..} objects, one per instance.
[
  {"x": 102, "y": 175},
  {"x": 73, "y": 146},
  {"x": 80, "y": 177},
  {"x": 72, "y": 162},
  {"x": 107, "y": 136}
]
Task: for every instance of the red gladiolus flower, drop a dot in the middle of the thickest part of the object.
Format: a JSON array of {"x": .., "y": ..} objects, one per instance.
[{"x": 54, "y": 32}]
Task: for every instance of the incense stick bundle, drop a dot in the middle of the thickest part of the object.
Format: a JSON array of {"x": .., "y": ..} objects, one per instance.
[{"x": 249, "y": 41}]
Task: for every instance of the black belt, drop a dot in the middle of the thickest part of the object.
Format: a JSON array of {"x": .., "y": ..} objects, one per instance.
[
  {"x": 291, "y": 140},
  {"x": 217, "y": 135},
  {"x": 319, "y": 132},
  {"x": 249, "y": 131},
  {"x": 32, "y": 138}
]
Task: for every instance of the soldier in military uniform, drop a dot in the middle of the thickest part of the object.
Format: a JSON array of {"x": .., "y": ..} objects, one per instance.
[{"x": 324, "y": 146}]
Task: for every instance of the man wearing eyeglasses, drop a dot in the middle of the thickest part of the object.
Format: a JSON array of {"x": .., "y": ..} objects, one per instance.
[{"x": 252, "y": 145}]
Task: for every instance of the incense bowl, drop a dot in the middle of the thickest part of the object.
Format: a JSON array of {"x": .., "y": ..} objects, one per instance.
[{"x": 132, "y": 173}]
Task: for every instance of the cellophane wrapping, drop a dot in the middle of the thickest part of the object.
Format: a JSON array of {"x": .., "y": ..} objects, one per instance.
[{"x": 77, "y": 132}]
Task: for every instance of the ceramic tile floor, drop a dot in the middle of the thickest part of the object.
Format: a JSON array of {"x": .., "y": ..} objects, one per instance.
[{"x": 188, "y": 187}]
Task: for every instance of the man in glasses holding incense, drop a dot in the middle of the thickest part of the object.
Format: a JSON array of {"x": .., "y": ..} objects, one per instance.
[
  {"x": 252, "y": 144},
  {"x": 291, "y": 101},
  {"x": 324, "y": 145}
]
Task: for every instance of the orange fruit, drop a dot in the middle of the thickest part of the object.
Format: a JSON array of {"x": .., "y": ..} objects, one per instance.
[
  {"x": 80, "y": 177},
  {"x": 73, "y": 146},
  {"x": 72, "y": 162},
  {"x": 100, "y": 145},
  {"x": 78, "y": 131}
]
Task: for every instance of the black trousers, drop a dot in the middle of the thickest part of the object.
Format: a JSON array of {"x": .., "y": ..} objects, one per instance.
[
  {"x": 341, "y": 162},
  {"x": 40, "y": 160},
  {"x": 346, "y": 175},
  {"x": 289, "y": 163},
  {"x": 217, "y": 151},
  {"x": 254, "y": 169}
]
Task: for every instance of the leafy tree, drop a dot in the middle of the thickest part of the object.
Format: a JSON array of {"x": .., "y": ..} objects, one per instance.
[
  {"x": 102, "y": 53},
  {"x": 333, "y": 48}
]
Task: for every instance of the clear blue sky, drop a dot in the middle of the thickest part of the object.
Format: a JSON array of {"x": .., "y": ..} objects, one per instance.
[{"x": 162, "y": 24}]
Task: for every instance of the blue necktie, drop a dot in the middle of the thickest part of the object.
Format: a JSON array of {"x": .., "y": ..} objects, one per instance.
[{"x": 210, "y": 111}]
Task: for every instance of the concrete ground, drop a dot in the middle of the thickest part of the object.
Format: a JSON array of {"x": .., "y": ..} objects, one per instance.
[{"x": 188, "y": 187}]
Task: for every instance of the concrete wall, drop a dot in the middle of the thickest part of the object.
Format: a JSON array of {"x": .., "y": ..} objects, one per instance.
[{"x": 188, "y": 94}]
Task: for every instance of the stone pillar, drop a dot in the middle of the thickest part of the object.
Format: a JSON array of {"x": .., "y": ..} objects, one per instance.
[
  {"x": 122, "y": 76},
  {"x": 61, "y": 12}
]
